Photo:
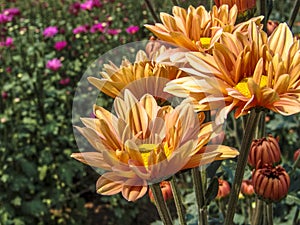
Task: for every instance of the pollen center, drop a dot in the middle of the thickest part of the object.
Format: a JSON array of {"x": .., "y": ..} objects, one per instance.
[
  {"x": 205, "y": 42},
  {"x": 145, "y": 150},
  {"x": 243, "y": 88}
]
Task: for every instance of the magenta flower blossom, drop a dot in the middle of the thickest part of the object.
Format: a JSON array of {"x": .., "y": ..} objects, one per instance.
[
  {"x": 12, "y": 12},
  {"x": 74, "y": 8},
  {"x": 87, "y": 5},
  {"x": 132, "y": 29},
  {"x": 60, "y": 45},
  {"x": 98, "y": 27},
  {"x": 53, "y": 64},
  {"x": 65, "y": 81},
  {"x": 80, "y": 29},
  {"x": 50, "y": 31},
  {"x": 114, "y": 31},
  {"x": 97, "y": 3},
  {"x": 9, "y": 42},
  {"x": 4, "y": 18}
]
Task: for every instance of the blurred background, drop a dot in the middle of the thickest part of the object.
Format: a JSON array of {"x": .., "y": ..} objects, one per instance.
[{"x": 45, "y": 48}]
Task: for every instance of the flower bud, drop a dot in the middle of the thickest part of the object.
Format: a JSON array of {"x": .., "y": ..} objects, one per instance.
[
  {"x": 224, "y": 189},
  {"x": 264, "y": 151},
  {"x": 166, "y": 190},
  {"x": 296, "y": 155},
  {"x": 271, "y": 183},
  {"x": 247, "y": 188},
  {"x": 242, "y": 5}
]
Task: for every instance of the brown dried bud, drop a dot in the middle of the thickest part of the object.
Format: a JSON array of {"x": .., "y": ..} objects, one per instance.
[
  {"x": 271, "y": 183},
  {"x": 264, "y": 151},
  {"x": 224, "y": 189},
  {"x": 271, "y": 26},
  {"x": 247, "y": 188},
  {"x": 166, "y": 190},
  {"x": 242, "y": 5},
  {"x": 296, "y": 155}
]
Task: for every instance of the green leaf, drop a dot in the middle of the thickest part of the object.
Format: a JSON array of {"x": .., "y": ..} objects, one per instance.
[{"x": 291, "y": 199}]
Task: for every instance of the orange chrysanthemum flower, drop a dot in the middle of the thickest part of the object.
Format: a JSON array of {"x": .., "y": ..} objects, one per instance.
[
  {"x": 245, "y": 72},
  {"x": 242, "y": 5},
  {"x": 145, "y": 143},
  {"x": 143, "y": 76},
  {"x": 197, "y": 29}
]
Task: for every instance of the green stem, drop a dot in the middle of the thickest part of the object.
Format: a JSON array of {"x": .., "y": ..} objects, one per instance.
[
  {"x": 269, "y": 208},
  {"x": 152, "y": 11},
  {"x": 198, "y": 187},
  {"x": 241, "y": 164},
  {"x": 294, "y": 13},
  {"x": 161, "y": 204},
  {"x": 178, "y": 202},
  {"x": 258, "y": 212}
]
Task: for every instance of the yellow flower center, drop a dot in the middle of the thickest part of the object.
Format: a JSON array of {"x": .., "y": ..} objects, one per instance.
[
  {"x": 205, "y": 42},
  {"x": 243, "y": 88},
  {"x": 145, "y": 150}
]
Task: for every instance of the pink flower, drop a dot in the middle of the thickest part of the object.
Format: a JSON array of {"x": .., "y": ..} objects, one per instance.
[
  {"x": 80, "y": 29},
  {"x": 9, "y": 42},
  {"x": 132, "y": 29},
  {"x": 60, "y": 45},
  {"x": 88, "y": 5},
  {"x": 11, "y": 12},
  {"x": 65, "y": 81},
  {"x": 74, "y": 8},
  {"x": 4, "y": 18},
  {"x": 98, "y": 27},
  {"x": 50, "y": 31},
  {"x": 113, "y": 31},
  {"x": 54, "y": 64}
]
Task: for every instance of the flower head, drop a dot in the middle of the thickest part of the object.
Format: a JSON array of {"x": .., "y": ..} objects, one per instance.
[
  {"x": 271, "y": 183},
  {"x": 224, "y": 189},
  {"x": 60, "y": 45},
  {"x": 80, "y": 29},
  {"x": 50, "y": 31},
  {"x": 197, "y": 29},
  {"x": 65, "y": 81},
  {"x": 54, "y": 64},
  {"x": 247, "y": 188},
  {"x": 132, "y": 29},
  {"x": 245, "y": 72},
  {"x": 296, "y": 156},
  {"x": 264, "y": 151},
  {"x": 9, "y": 42},
  {"x": 98, "y": 27},
  {"x": 145, "y": 75},
  {"x": 114, "y": 31},
  {"x": 145, "y": 143}
]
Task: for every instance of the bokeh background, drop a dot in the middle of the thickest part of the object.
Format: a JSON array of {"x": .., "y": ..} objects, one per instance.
[{"x": 39, "y": 70}]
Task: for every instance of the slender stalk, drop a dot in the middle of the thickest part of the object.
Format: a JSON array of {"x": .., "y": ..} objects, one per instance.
[
  {"x": 178, "y": 202},
  {"x": 161, "y": 204},
  {"x": 152, "y": 11},
  {"x": 294, "y": 13},
  {"x": 263, "y": 12},
  {"x": 269, "y": 208},
  {"x": 175, "y": 2},
  {"x": 258, "y": 212},
  {"x": 241, "y": 164},
  {"x": 198, "y": 187}
]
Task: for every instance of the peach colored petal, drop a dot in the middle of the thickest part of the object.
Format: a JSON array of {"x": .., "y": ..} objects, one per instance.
[
  {"x": 133, "y": 189},
  {"x": 94, "y": 159},
  {"x": 110, "y": 184}
]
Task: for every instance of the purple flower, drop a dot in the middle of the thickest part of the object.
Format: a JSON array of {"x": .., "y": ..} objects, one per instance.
[
  {"x": 65, "y": 81},
  {"x": 4, "y": 95},
  {"x": 50, "y": 31},
  {"x": 54, "y": 64},
  {"x": 132, "y": 29},
  {"x": 113, "y": 31},
  {"x": 97, "y": 3},
  {"x": 80, "y": 29},
  {"x": 4, "y": 18},
  {"x": 9, "y": 42},
  {"x": 74, "y": 8},
  {"x": 60, "y": 45},
  {"x": 98, "y": 27},
  {"x": 87, "y": 5},
  {"x": 12, "y": 12}
]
